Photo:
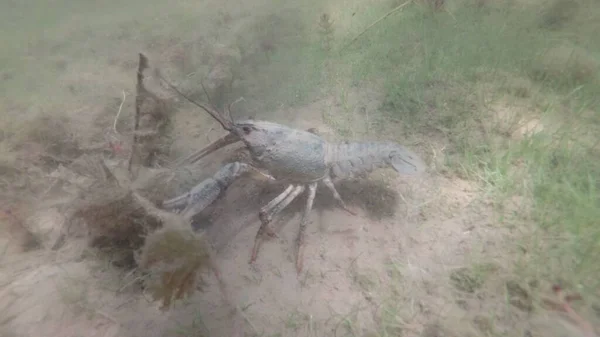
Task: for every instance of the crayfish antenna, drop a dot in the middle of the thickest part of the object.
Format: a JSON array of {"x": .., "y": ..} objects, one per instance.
[
  {"x": 210, "y": 148},
  {"x": 228, "y": 116},
  {"x": 226, "y": 124}
]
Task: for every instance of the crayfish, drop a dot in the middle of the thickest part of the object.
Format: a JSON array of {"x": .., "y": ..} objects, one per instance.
[{"x": 301, "y": 159}]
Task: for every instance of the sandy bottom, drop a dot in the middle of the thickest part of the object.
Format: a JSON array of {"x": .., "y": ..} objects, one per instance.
[{"x": 409, "y": 234}]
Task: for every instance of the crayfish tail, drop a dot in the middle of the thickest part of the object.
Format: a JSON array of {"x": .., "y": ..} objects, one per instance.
[
  {"x": 405, "y": 161},
  {"x": 354, "y": 159}
]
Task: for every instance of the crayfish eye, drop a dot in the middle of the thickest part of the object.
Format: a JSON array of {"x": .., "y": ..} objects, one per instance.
[{"x": 246, "y": 129}]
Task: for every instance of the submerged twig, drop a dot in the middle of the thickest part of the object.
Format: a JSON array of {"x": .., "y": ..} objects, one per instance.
[{"x": 143, "y": 65}]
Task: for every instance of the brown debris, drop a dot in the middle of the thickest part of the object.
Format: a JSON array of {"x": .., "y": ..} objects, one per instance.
[
  {"x": 96, "y": 197},
  {"x": 132, "y": 232},
  {"x": 49, "y": 139},
  {"x": 115, "y": 222},
  {"x": 174, "y": 256}
]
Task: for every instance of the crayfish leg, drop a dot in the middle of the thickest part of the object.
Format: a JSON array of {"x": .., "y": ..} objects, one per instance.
[
  {"x": 312, "y": 191},
  {"x": 265, "y": 217},
  {"x": 327, "y": 181},
  {"x": 270, "y": 210}
]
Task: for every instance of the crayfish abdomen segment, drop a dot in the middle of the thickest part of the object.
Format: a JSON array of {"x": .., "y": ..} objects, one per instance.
[{"x": 348, "y": 160}]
